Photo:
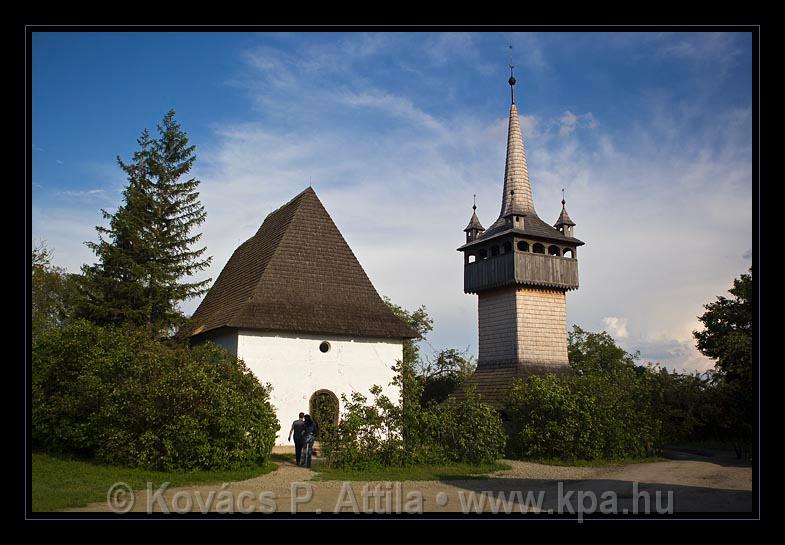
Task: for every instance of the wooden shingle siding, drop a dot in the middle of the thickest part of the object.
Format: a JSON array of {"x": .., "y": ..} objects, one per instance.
[
  {"x": 541, "y": 324},
  {"x": 497, "y": 333}
]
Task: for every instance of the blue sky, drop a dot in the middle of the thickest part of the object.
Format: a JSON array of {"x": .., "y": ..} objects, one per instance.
[{"x": 650, "y": 134}]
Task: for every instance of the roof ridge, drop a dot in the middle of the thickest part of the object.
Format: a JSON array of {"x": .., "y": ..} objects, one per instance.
[
  {"x": 291, "y": 201},
  {"x": 284, "y": 240},
  {"x": 295, "y": 202}
]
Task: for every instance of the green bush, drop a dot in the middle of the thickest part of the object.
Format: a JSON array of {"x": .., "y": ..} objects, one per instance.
[
  {"x": 367, "y": 435},
  {"x": 116, "y": 395},
  {"x": 686, "y": 404},
  {"x": 324, "y": 412},
  {"x": 582, "y": 417},
  {"x": 605, "y": 407},
  {"x": 381, "y": 433},
  {"x": 472, "y": 430},
  {"x": 608, "y": 406}
]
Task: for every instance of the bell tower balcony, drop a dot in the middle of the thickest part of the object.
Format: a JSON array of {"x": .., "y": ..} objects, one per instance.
[{"x": 527, "y": 268}]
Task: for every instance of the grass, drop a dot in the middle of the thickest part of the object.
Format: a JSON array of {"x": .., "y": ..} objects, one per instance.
[
  {"x": 60, "y": 482},
  {"x": 594, "y": 463},
  {"x": 410, "y": 473}
]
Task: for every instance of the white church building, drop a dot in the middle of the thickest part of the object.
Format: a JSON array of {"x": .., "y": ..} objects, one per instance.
[{"x": 294, "y": 303}]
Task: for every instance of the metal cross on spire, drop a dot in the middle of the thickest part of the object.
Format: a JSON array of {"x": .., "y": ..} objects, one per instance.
[{"x": 511, "y": 81}]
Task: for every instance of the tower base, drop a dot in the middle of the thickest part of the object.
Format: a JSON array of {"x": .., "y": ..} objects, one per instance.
[
  {"x": 522, "y": 332},
  {"x": 493, "y": 382}
]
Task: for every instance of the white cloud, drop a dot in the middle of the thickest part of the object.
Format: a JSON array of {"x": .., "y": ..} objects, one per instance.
[
  {"x": 81, "y": 194},
  {"x": 568, "y": 122},
  {"x": 617, "y": 327},
  {"x": 389, "y": 104},
  {"x": 65, "y": 230},
  {"x": 676, "y": 354}
]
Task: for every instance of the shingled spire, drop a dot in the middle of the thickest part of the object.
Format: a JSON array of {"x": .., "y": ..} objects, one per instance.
[{"x": 517, "y": 192}]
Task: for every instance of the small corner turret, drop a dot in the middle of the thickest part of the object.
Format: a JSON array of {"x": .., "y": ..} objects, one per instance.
[
  {"x": 564, "y": 224},
  {"x": 475, "y": 228}
]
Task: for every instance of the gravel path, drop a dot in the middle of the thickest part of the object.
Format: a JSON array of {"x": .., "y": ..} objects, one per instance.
[{"x": 695, "y": 485}]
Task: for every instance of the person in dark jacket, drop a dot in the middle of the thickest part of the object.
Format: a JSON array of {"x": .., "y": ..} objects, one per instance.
[
  {"x": 309, "y": 430},
  {"x": 299, "y": 436}
]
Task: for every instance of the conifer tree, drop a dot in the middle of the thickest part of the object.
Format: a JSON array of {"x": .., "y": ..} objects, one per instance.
[{"x": 147, "y": 250}]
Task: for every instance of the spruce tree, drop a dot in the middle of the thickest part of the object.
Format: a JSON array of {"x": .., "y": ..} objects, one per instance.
[{"x": 146, "y": 252}]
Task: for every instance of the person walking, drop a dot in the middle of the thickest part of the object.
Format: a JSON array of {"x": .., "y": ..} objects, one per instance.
[
  {"x": 309, "y": 431},
  {"x": 298, "y": 430}
]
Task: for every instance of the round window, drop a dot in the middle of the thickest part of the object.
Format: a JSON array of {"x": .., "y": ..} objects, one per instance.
[{"x": 325, "y": 346}]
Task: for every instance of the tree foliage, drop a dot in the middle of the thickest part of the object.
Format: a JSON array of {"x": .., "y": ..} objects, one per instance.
[
  {"x": 727, "y": 337},
  {"x": 610, "y": 406},
  {"x": 146, "y": 252},
  {"x": 382, "y": 433},
  {"x": 605, "y": 408},
  {"x": 53, "y": 292},
  {"x": 421, "y": 322},
  {"x": 593, "y": 353},
  {"x": 324, "y": 412},
  {"x": 114, "y": 394},
  {"x": 441, "y": 372},
  {"x": 686, "y": 405},
  {"x": 727, "y": 332},
  {"x": 444, "y": 373}
]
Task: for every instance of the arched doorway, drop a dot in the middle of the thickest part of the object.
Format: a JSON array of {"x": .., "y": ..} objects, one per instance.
[{"x": 324, "y": 409}]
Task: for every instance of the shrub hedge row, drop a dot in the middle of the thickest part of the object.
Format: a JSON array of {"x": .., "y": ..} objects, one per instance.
[{"x": 116, "y": 395}]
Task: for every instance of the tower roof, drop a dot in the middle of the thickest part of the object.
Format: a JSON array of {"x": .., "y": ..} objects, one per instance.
[
  {"x": 517, "y": 192},
  {"x": 515, "y": 208},
  {"x": 297, "y": 274},
  {"x": 474, "y": 223},
  {"x": 534, "y": 228},
  {"x": 564, "y": 218}
]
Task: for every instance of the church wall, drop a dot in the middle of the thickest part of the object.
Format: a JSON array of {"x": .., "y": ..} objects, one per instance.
[
  {"x": 496, "y": 311},
  {"x": 296, "y": 368},
  {"x": 541, "y": 322},
  {"x": 223, "y": 337}
]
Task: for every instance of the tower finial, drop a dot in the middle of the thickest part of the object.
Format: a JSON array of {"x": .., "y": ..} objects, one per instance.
[
  {"x": 563, "y": 202},
  {"x": 474, "y": 206},
  {"x": 511, "y": 81}
]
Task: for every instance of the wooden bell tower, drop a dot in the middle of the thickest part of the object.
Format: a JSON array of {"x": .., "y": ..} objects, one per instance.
[{"x": 521, "y": 269}]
